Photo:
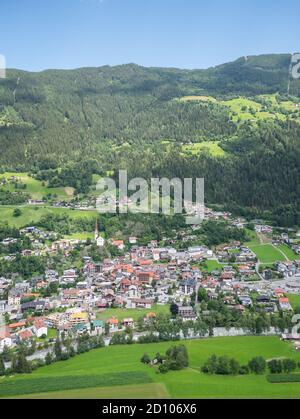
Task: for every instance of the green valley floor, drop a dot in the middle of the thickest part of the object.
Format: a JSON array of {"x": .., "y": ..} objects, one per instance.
[{"x": 116, "y": 372}]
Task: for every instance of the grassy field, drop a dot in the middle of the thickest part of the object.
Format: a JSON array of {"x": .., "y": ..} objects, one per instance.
[
  {"x": 211, "y": 147},
  {"x": 254, "y": 239},
  {"x": 135, "y": 314},
  {"x": 294, "y": 300},
  {"x": 80, "y": 236},
  {"x": 198, "y": 99},
  {"x": 141, "y": 391},
  {"x": 36, "y": 189},
  {"x": 267, "y": 253},
  {"x": 289, "y": 253},
  {"x": 212, "y": 265},
  {"x": 31, "y": 214},
  {"x": 244, "y": 109},
  {"x": 123, "y": 363}
]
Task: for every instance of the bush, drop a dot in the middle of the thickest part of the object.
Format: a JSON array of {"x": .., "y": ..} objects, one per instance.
[
  {"x": 289, "y": 365},
  {"x": 48, "y": 359},
  {"x": 164, "y": 368},
  {"x": 145, "y": 359},
  {"x": 284, "y": 378},
  {"x": 178, "y": 357},
  {"x": 244, "y": 370},
  {"x": 257, "y": 365},
  {"x": 275, "y": 366}
]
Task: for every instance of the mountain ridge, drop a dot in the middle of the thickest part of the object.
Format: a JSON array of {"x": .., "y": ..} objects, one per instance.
[{"x": 246, "y": 58}]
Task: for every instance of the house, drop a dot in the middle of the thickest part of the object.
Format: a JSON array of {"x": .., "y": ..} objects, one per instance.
[
  {"x": 15, "y": 326},
  {"x": 188, "y": 286},
  {"x": 263, "y": 299},
  {"x": 113, "y": 324},
  {"x": 76, "y": 316},
  {"x": 39, "y": 328},
  {"x": 145, "y": 277},
  {"x": 151, "y": 315},
  {"x": 284, "y": 304},
  {"x": 25, "y": 335},
  {"x": 100, "y": 242},
  {"x": 187, "y": 313},
  {"x": 5, "y": 338},
  {"x": 119, "y": 244},
  {"x": 139, "y": 303},
  {"x": 2, "y": 305},
  {"x": 14, "y": 299},
  {"x": 69, "y": 276},
  {"x": 128, "y": 322},
  {"x": 97, "y": 327},
  {"x": 245, "y": 300},
  {"x": 37, "y": 306}
]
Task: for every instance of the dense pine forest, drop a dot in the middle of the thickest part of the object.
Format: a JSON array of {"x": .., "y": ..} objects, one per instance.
[{"x": 236, "y": 125}]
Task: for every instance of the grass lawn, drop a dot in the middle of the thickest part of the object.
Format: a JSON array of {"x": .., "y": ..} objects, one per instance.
[
  {"x": 294, "y": 300},
  {"x": 80, "y": 236},
  {"x": 31, "y": 215},
  {"x": 141, "y": 391},
  {"x": 135, "y": 314},
  {"x": 245, "y": 109},
  {"x": 212, "y": 265},
  {"x": 254, "y": 239},
  {"x": 290, "y": 254},
  {"x": 35, "y": 187},
  {"x": 267, "y": 253},
  {"x": 98, "y": 371},
  {"x": 211, "y": 147}
]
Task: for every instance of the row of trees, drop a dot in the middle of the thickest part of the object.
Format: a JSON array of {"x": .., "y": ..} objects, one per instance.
[
  {"x": 223, "y": 365},
  {"x": 64, "y": 349}
]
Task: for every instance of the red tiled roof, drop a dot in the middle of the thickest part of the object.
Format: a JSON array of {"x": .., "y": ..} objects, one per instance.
[
  {"x": 25, "y": 334},
  {"x": 17, "y": 325}
]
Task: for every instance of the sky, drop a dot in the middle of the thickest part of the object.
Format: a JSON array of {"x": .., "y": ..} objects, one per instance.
[{"x": 42, "y": 34}]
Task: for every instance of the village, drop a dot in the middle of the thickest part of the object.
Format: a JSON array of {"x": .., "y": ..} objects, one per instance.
[{"x": 142, "y": 283}]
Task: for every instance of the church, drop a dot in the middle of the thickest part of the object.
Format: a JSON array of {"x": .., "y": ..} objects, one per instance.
[{"x": 98, "y": 238}]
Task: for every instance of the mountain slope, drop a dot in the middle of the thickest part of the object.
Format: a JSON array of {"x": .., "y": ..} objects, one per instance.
[
  {"x": 92, "y": 120},
  {"x": 70, "y": 112}
]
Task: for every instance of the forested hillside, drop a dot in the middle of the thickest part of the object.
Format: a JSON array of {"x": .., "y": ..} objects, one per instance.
[{"x": 234, "y": 124}]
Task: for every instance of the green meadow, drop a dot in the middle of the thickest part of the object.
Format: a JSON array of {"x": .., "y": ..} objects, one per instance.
[
  {"x": 211, "y": 147},
  {"x": 289, "y": 253},
  {"x": 135, "y": 314},
  {"x": 244, "y": 109},
  {"x": 211, "y": 265},
  {"x": 35, "y": 188},
  {"x": 253, "y": 238},
  {"x": 266, "y": 253},
  {"x": 294, "y": 300},
  {"x": 116, "y": 372},
  {"x": 32, "y": 214}
]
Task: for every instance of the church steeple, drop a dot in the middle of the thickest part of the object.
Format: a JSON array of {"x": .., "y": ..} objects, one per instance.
[
  {"x": 98, "y": 238},
  {"x": 96, "y": 230}
]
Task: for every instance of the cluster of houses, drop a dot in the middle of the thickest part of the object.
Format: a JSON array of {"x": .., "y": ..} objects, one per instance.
[
  {"x": 142, "y": 277},
  {"x": 22, "y": 331}
]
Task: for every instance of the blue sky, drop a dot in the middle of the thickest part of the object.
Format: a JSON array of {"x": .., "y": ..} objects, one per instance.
[{"x": 41, "y": 34}]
